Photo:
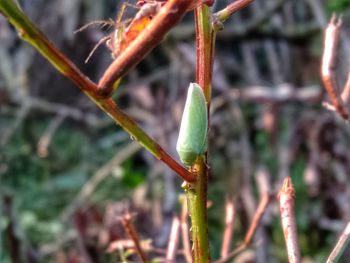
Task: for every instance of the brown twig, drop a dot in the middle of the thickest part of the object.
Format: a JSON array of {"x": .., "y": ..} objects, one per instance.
[
  {"x": 170, "y": 14},
  {"x": 264, "y": 202},
  {"x": 173, "y": 241},
  {"x": 232, "y": 254},
  {"x": 341, "y": 245},
  {"x": 232, "y": 8},
  {"x": 185, "y": 231},
  {"x": 229, "y": 224},
  {"x": 331, "y": 43},
  {"x": 286, "y": 198},
  {"x": 129, "y": 228},
  {"x": 46, "y": 138}
]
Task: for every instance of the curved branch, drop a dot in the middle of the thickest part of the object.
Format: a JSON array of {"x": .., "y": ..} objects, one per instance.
[
  {"x": 169, "y": 15},
  {"x": 30, "y": 33}
]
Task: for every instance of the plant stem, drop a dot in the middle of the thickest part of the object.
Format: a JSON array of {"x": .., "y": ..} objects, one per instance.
[
  {"x": 341, "y": 245},
  {"x": 205, "y": 42},
  {"x": 197, "y": 192},
  {"x": 227, "y": 12},
  {"x": 150, "y": 37},
  {"x": 30, "y": 33},
  {"x": 286, "y": 198},
  {"x": 197, "y": 203}
]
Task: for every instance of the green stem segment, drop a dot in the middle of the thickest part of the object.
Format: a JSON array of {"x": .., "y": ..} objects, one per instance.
[
  {"x": 30, "y": 33},
  {"x": 197, "y": 203},
  {"x": 197, "y": 192}
]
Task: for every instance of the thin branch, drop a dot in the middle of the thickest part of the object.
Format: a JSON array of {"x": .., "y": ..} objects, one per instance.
[
  {"x": 228, "y": 231},
  {"x": 341, "y": 245},
  {"x": 205, "y": 48},
  {"x": 264, "y": 202},
  {"x": 129, "y": 228},
  {"x": 331, "y": 43},
  {"x": 232, "y": 254},
  {"x": 232, "y": 8},
  {"x": 46, "y": 138},
  {"x": 173, "y": 240},
  {"x": 170, "y": 14},
  {"x": 36, "y": 38},
  {"x": 185, "y": 231},
  {"x": 286, "y": 198}
]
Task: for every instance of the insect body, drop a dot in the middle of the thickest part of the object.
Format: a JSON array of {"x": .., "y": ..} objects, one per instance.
[
  {"x": 119, "y": 40},
  {"x": 124, "y": 32},
  {"x": 192, "y": 139}
]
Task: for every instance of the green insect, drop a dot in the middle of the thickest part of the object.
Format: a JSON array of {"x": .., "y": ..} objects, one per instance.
[{"x": 192, "y": 139}]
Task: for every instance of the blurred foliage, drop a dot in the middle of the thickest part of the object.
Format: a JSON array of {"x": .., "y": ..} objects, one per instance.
[{"x": 337, "y": 5}]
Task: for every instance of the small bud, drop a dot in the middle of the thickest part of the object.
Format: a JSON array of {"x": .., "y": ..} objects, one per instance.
[{"x": 193, "y": 129}]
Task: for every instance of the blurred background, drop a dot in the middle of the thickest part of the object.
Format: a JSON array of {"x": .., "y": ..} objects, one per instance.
[{"x": 67, "y": 172}]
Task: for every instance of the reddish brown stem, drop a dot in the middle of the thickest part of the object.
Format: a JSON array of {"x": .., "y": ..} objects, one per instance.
[
  {"x": 129, "y": 228},
  {"x": 173, "y": 240},
  {"x": 286, "y": 198},
  {"x": 170, "y": 14},
  {"x": 185, "y": 232},
  {"x": 205, "y": 41},
  {"x": 331, "y": 43},
  {"x": 264, "y": 202},
  {"x": 228, "y": 231}
]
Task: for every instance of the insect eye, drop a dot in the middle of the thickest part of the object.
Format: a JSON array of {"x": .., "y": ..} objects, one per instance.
[{"x": 193, "y": 129}]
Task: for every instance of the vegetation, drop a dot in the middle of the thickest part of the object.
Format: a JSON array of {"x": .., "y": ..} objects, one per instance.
[{"x": 74, "y": 187}]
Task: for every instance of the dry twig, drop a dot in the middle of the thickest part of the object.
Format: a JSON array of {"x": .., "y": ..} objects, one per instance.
[
  {"x": 130, "y": 229},
  {"x": 264, "y": 202},
  {"x": 342, "y": 244},
  {"x": 185, "y": 231},
  {"x": 229, "y": 224},
  {"x": 331, "y": 43},
  {"x": 46, "y": 138},
  {"x": 173, "y": 240},
  {"x": 286, "y": 199},
  {"x": 170, "y": 14}
]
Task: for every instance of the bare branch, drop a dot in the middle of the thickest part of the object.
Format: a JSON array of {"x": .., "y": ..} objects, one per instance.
[
  {"x": 129, "y": 228},
  {"x": 232, "y": 8},
  {"x": 173, "y": 240},
  {"x": 170, "y": 14},
  {"x": 185, "y": 231},
  {"x": 264, "y": 202},
  {"x": 286, "y": 199},
  {"x": 46, "y": 138},
  {"x": 341, "y": 245},
  {"x": 331, "y": 43},
  {"x": 229, "y": 225}
]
